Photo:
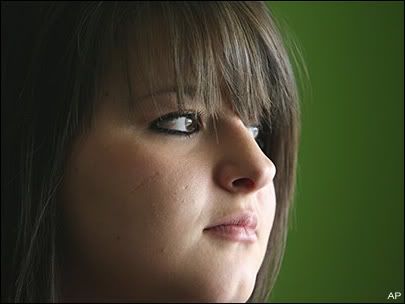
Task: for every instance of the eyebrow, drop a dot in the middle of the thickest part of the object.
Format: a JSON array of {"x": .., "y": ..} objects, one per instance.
[{"x": 189, "y": 90}]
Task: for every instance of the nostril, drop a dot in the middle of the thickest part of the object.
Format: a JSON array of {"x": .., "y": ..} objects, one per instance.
[{"x": 243, "y": 182}]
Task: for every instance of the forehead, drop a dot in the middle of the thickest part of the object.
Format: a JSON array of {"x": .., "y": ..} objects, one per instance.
[
  {"x": 144, "y": 67},
  {"x": 178, "y": 52},
  {"x": 141, "y": 77},
  {"x": 145, "y": 61}
]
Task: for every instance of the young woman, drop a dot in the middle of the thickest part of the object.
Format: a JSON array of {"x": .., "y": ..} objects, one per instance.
[{"x": 140, "y": 143}]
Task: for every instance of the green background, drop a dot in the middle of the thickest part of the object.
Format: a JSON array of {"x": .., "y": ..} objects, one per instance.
[{"x": 346, "y": 235}]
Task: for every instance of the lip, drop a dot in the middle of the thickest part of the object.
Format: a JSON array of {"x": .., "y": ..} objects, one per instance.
[{"x": 238, "y": 227}]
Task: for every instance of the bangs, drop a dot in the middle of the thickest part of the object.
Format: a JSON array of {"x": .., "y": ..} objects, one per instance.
[{"x": 216, "y": 52}]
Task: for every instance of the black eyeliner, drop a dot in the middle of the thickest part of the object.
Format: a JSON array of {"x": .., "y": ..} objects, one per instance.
[{"x": 173, "y": 115}]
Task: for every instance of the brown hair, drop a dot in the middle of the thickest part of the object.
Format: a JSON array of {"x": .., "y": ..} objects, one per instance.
[{"x": 228, "y": 49}]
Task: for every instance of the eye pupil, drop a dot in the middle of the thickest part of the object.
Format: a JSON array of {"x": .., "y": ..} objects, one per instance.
[
  {"x": 188, "y": 122},
  {"x": 178, "y": 123}
]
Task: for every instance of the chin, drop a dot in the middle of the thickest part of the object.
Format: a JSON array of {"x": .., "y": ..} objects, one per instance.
[
  {"x": 238, "y": 292},
  {"x": 214, "y": 285}
]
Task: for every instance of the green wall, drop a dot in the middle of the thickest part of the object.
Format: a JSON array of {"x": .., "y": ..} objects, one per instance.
[{"x": 346, "y": 237}]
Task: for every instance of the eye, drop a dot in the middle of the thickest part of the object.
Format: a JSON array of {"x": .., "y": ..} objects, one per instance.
[
  {"x": 178, "y": 123},
  {"x": 255, "y": 130}
]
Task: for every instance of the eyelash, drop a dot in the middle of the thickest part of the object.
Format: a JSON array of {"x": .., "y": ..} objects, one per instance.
[{"x": 196, "y": 115}]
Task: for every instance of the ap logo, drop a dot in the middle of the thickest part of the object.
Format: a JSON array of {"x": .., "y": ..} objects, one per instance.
[{"x": 394, "y": 295}]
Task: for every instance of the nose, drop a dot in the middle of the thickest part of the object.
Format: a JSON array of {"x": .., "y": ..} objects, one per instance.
[{"x": 242, "y": 166}]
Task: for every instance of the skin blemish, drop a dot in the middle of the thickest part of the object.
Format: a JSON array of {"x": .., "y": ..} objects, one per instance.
[{"x": 145, "y": 181}]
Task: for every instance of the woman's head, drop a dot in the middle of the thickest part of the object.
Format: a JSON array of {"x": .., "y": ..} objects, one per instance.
[{"x": 138, "y": 136}]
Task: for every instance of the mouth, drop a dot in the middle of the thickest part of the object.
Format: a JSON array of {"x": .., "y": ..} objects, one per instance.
[{"x": 239, "y": 227}]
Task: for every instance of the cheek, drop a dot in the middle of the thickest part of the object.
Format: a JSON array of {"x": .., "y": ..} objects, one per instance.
[
  {"x": 124, "y": 201},
  {"x": 267, "y": 205}
]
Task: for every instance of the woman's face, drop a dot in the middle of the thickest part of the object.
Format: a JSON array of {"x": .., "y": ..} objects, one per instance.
[{"x": 138, "y": 203}]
